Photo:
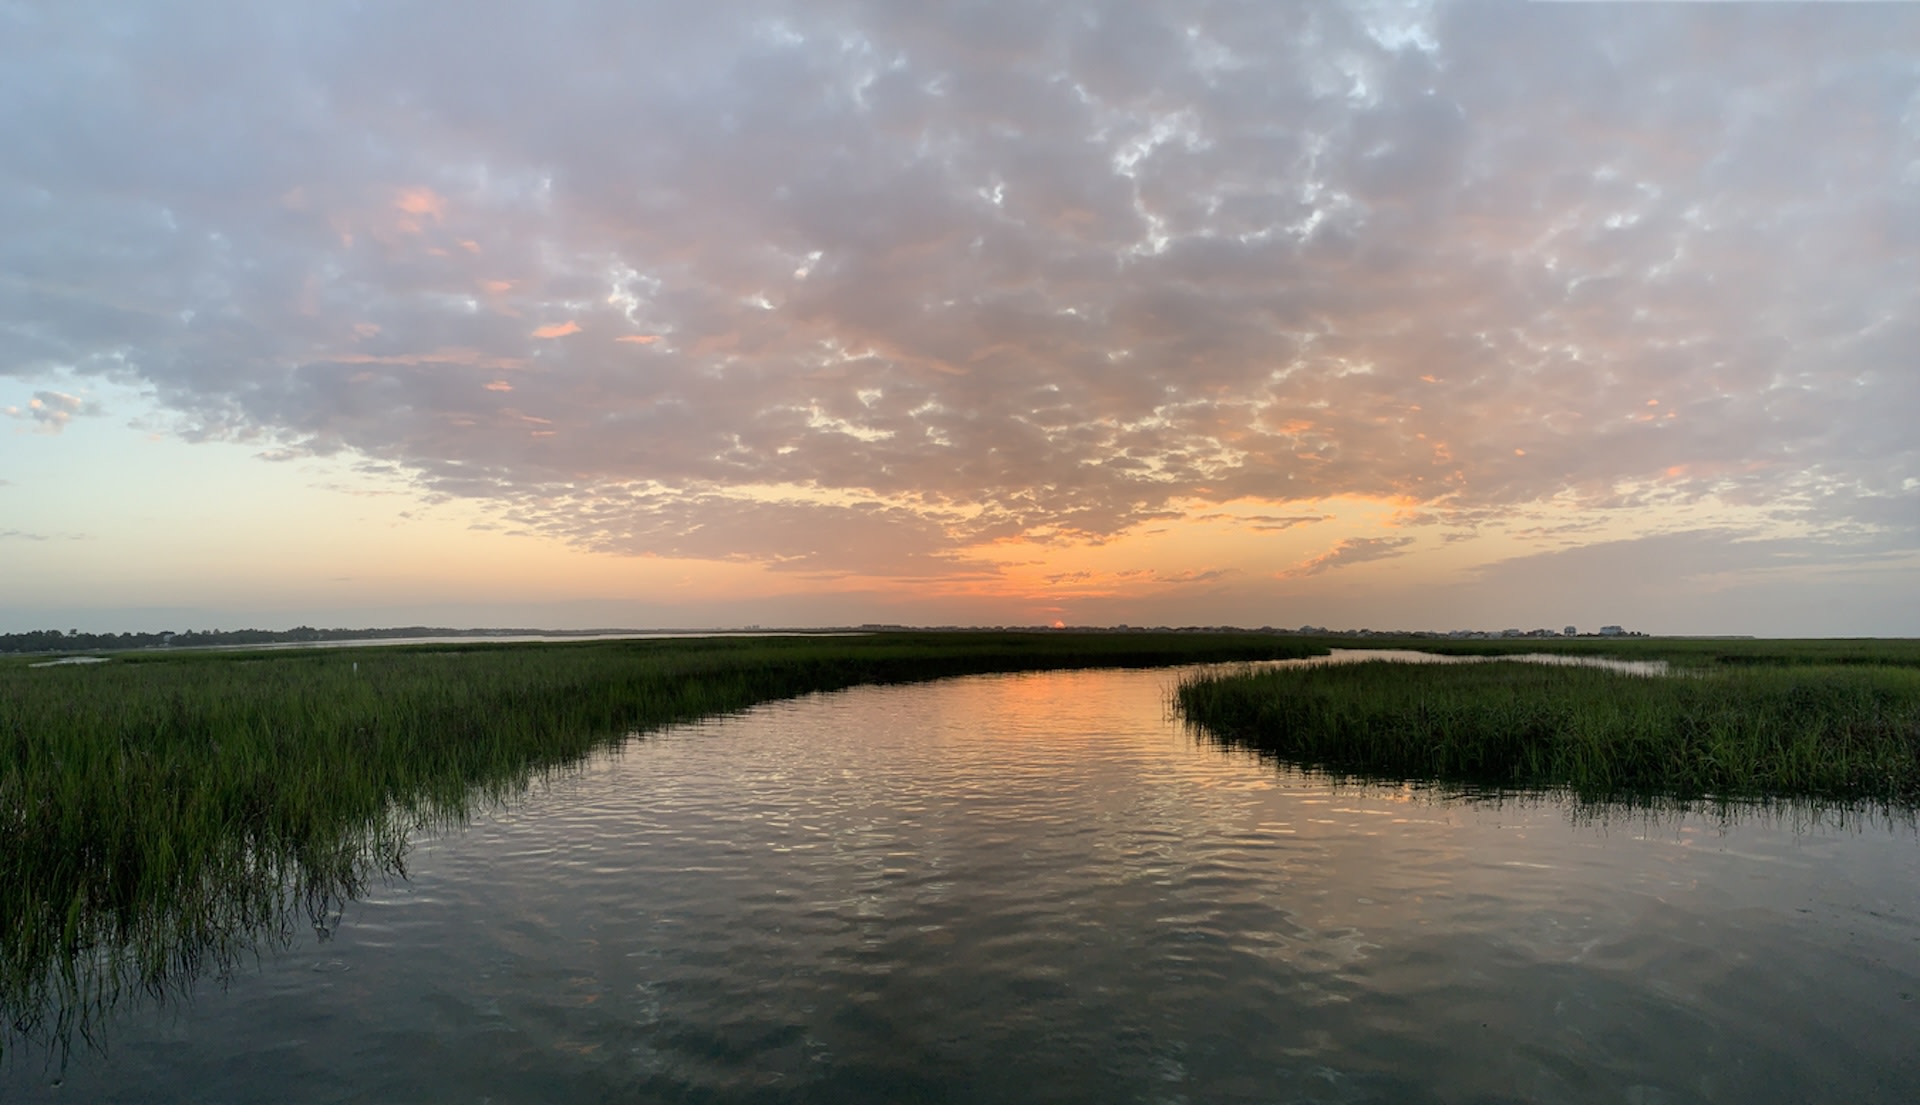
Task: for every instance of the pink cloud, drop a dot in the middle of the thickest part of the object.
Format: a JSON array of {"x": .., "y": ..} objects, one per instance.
[{"x": 421, "y": 202}]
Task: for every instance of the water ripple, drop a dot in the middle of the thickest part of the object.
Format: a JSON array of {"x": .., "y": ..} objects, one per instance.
[{"x": 1039, "y": 888}]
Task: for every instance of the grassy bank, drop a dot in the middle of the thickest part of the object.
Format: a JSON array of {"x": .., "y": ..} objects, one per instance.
[
  {"x": 1681, "y": 652},
  {"x": 1760, "y": 719},
  {"x": 160, "y": 812}
]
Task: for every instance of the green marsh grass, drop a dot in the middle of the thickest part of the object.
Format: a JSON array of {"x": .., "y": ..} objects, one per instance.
[
  {"x": 1793, "y": 725},
  {"x": 161, "y": 814},
  {"x": 1681, "y": 652}
]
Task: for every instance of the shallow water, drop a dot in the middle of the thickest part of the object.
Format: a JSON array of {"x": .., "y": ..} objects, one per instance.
[
  {"x": 1552, "y": 659},
  {"x": 1042, "y": 888}
]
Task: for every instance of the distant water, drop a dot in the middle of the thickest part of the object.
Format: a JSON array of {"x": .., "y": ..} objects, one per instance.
[
  {"x": 1553, "y": 659},
  {"x": 1042, "y": 888}
]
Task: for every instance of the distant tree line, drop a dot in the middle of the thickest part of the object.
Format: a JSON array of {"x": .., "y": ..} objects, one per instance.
[{"x": 53, "y": 640}]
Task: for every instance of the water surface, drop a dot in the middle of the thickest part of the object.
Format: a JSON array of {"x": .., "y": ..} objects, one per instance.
[
  {"x": 1042, "y": 888},
  {"x": 1415, "y": 656}
]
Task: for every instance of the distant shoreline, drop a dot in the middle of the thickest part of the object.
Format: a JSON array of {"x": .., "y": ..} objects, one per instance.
[
  {"x": 46, "y": 643},
  {"x": 55, "y": 643},
  {"x": 51, "y": 642}
]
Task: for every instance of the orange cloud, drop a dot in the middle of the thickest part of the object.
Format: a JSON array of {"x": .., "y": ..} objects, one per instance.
[
  {"x": 639, "y": 339},
  {"x": 499, "y": 385},
  {"x": 557, "y": 329}
]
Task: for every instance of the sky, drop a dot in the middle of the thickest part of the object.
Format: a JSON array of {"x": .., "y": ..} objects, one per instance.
[{"x": 1400, "y": 315}]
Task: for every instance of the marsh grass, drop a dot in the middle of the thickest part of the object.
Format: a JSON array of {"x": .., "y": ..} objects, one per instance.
[
  {"x": 162, "y": 814},
  {"x": 1779, "y": 729},
  {"x": 1681, "y": 652}
]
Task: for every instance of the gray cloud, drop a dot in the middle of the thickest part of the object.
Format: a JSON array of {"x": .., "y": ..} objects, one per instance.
[
  {"x": 1016, "y": 269},
  {"x": 1265, "y": 523},
  {"x": 1350, "y": 550},
  {"x": 1207, "y": 575},
  {"x": 50, "y": 411}
]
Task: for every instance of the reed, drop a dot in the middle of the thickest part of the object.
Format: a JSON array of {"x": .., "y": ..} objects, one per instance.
[
  {"x": 161, "y": 813},
  {"x": 1789, "y": 728},
  {"x": 1681, "y": 652}
]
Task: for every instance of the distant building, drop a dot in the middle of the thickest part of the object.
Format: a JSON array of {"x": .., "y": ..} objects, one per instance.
[
  {"x": 1611, "y": 631},
  {"x": 1570, "y": 631}
]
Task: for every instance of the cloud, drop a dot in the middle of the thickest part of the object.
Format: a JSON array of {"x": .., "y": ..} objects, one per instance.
[
  {"x": 1265, "y": 523},
  {"x": 1135, "y": 577},
  {"x": 20, "y": 535},
  {"x": 1016, "y": 270},
  {"x": 422, "y": 203},
  {"x": 1208, "y": 575},
  {"x": 1351, "y": 550},
  {"x": 50, "y": 411}
]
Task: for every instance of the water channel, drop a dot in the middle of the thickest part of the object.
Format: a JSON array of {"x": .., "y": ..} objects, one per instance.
[{"x": 1043, "y": 888}]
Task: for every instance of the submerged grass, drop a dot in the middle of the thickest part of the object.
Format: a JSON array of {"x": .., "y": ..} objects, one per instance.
[
  {"x": 1769, "y": 723},
  {"x": 161, "y": 813}
]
